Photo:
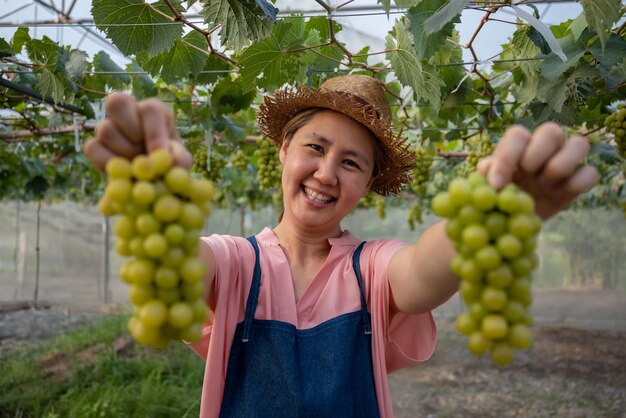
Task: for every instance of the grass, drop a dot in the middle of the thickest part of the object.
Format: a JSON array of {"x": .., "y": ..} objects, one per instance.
[{"x": 136, "y": 383}]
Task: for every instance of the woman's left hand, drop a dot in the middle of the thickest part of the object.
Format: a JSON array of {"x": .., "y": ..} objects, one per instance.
[{"x": 544, "y": 163}]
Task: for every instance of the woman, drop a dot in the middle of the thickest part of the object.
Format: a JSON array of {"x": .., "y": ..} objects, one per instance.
[{"x": 307, "y": 320}]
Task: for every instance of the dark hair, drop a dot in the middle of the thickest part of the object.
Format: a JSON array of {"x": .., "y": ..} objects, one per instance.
[{"x": 304, "y": 117}]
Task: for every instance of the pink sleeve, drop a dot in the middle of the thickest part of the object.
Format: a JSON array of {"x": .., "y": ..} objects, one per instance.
[
  {"x": 227, "y": 294},
  {"x": 408, "y": 340}
]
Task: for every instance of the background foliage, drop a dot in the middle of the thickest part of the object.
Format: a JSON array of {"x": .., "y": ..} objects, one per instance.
[{"x": 214, "y": 75}]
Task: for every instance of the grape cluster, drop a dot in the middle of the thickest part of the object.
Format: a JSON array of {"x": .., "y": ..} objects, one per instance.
[
  {"x": 485, "y": 148},
  {"x": 368, "y": 200},
  {"x": 615, "y": 123},
  {"x": 208, "y": 167},
  {"x": 161, "y": 212},
  {"x": 421, "y": 172},
  {"x": 379, "y": 207},
  {"x": 269, "y": 168},
  {"x": 494, "y": 234},
  {"x": 239, "y": 160},
  {"x": 415, "y": 215}
]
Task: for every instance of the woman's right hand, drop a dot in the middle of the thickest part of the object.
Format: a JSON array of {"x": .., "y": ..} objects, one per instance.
[{"x": 132, "y": 128}]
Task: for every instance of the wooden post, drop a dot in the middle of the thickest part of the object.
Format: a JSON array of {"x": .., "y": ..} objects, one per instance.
[{"x": 21, "y": 266}]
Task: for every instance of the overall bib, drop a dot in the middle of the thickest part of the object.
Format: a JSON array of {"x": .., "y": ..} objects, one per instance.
[{"x": 275, "y": 370}]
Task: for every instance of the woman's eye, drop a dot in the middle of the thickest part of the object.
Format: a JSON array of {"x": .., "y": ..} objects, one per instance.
[
  {"x": 351, "y": 163},
  {"x": 316, "y": 147}
]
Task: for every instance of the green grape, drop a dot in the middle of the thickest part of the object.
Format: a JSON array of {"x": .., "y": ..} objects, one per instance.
[
  {"x": 239, "y": 160},
  {"x": 414, "y": 216},
  {"x": 494, "y": 234},
  {"x": 421, "y": 172},
  {"x": 379, "y": 206},
  {"x": 269, "y": 167},
  {"x": 208, "y": 163},
  {"x": 162, "y": 209},
  {"x": 614, "y": 123}
]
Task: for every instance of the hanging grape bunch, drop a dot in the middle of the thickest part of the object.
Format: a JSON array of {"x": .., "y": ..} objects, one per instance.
[
  {"x": 269, "y": 168},
  {"x": 414, "y": 216},
  {"x": 421, "y": 172},
  {"x": 161, "y": 212},
  {"x": 615, "y": 123},
  {"x": 494, "y": 234},
  {"x": 369, "y": 200},
  {"x": 379, "y": 206},
  {"x": 473, "y": 157},
  {"x": 239, "y": 160},
  {"x": 208, "y": 166}
]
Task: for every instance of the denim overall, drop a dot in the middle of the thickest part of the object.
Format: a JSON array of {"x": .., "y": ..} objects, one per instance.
[{"x": 275, "y": 370}]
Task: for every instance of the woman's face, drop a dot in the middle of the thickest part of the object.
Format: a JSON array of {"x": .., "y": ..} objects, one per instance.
[{"x": 327, "y": 168}]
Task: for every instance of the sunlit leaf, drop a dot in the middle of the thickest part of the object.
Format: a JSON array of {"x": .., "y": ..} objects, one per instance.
[{"x": 601, "y": 15}]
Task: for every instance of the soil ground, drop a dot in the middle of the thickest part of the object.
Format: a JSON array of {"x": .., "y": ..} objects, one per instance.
[{"x": 576, "y": 368}]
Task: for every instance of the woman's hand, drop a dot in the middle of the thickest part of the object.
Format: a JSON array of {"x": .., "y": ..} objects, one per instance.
[
  {"x": 133, "y": 128},
  {"x": 544, "y": 163}
]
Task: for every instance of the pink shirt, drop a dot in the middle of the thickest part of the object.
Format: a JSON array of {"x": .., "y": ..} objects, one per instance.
[{"x": 407, "y": 340}]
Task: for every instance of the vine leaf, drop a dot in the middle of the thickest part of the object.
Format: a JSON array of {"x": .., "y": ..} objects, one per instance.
[
  {"x": 50, "y": 85},
  {"x": 543, "y": 30},
  {"x": 20, "y": 38},
  {"x": 228, "y": 97},
  {"x": 241, "y": 20},
  {"x": 5, "y": 49},
  {"x": 424, "y": 81},
  {"x": 386, "y": 5},
  {"x": 271, "y": 57},
  {"x": 444, "y": 15},
  {"x": 612, "y": 52},
  {"x": 145, "y": 27},
  {"x": 427, "y": 44},
  {"x": 211, "y": 71},
  {"x": 554, "y": 66},
  {"x": 331, "y": 54},
  {"x": 142, "y": 86},
  {"x": 186, "y": 57},
  {"x": 76, "y": 64},
  {"x": 102, "y": 62},
  {"x": 600, "y": 15}
]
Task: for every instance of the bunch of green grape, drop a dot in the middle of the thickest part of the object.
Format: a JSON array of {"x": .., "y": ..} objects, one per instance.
[
  {"x": 239, "y": 160},
  {"x": 415, "y": 215},
  {"x": 161, "y": 212},
  {"x": 485, "y": 148},
  {"x": 368, "y": 201},
  {"x": 208, "y": 167},
  {"x": 421, "y": 172},
  {"x": 494, "y": 234},
  {"x": 615, "y": 123},
  {"x": 269, "y": 168}
]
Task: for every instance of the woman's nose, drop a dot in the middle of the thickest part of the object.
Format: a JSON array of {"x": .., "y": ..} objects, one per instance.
[{"x": 326, "y": 172}]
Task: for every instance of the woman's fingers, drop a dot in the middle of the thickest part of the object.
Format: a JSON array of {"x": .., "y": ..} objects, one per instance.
[
  {"x": 122, "y": 111},
  {"x": 97, "y": 153},
  {"x": 507, "y": 155},
  {"x": 582, "y": 180},
  {"x": 110, "y": 135},
  {"x": 180, "y": 154},
  {"x": 155, "y": 124},
  {"x": 563, "y": 164},
  {"x": 546, "y": 141}
]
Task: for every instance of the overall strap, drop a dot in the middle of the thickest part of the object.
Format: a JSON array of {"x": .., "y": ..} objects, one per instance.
[
  {"x": 253, "y": 296},
  {"x": 356, "y": 265}
]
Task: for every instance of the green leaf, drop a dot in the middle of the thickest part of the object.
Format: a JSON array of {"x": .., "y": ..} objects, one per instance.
[
  {"x": 50, "y": 85},
  {"x": 386, "y": 5},
  {"x": 613, "y": 51},
  {"x": 228, "y": 97},
  {"x": 527, "y": 76},
  {"x": 186, "y": 57},
  {"x": 320, "y": 24},
  {"x": 103, "y": 62},
  {"x": 76, "y": 64},
  {"x": 20, "y": 38},
  {"x": 444, "y": 15},
  {"x": 85, "y": 104},
  {"x": 601, "y": 15},
  {"x": 5, "y": 49},
  {"x": 539, "y": 40},
  {"x": 578, "y": 25},
  {"x": 147, "y": 27},
  {"x": 271, "y": 57},
  {"x": 142, "y": 86},
  {"x": 424, "y": 81},
  {"x": 241, "y": 20},
  {"x": 214, "y": 69},
  {"x": 553, "y": 66},
  {"x": 426, "y": 45}
]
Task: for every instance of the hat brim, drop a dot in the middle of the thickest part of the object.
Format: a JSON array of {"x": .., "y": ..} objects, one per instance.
[{"x": 399, "y": 159}]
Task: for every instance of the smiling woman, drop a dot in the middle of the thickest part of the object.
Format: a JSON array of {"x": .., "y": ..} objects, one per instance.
[{"x": 308, "y": 320}]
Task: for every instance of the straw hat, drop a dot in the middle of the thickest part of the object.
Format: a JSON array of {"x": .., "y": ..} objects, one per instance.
[{"x": 358, "y": 96}]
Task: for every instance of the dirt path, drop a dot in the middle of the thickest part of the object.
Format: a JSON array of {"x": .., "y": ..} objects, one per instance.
[{"x": 576, "y": 368}]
